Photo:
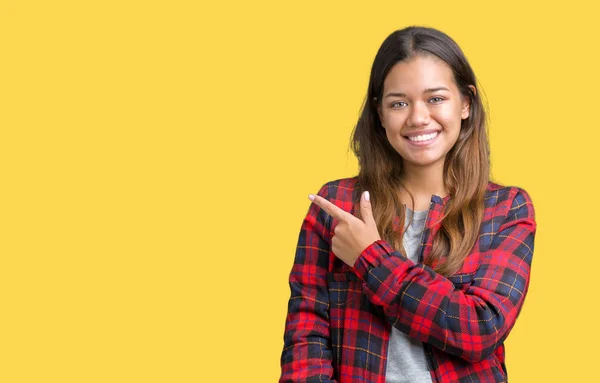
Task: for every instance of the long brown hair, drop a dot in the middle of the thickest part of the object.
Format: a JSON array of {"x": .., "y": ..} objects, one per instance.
[{"x": 466, "y": 167}]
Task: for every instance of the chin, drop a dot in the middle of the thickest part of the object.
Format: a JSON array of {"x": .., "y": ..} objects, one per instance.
[{"x": 423, "y": 162}]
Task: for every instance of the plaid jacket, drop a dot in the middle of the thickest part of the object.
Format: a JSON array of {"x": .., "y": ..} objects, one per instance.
[{"x": 339, "y": 317}]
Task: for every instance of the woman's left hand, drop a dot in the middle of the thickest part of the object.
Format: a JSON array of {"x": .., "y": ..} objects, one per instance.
[{"x": 351, "y": 235}]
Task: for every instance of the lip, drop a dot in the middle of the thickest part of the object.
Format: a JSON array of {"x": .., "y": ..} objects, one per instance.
[{"x": 422, "y": 143}]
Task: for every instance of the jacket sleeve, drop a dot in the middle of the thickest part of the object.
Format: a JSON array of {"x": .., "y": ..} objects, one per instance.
[
  {"x": 306, "y": 355},
  {"x": 470, "y": 322}
]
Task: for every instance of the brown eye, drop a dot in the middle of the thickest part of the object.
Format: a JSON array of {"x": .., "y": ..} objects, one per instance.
[{"x": 436, "y": 100}]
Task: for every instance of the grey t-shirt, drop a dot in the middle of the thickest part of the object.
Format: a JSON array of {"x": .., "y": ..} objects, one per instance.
[{"x": 406, "y": 361}]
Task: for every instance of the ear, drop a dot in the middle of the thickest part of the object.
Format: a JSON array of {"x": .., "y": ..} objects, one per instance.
[{"x": 466, "y": 106}]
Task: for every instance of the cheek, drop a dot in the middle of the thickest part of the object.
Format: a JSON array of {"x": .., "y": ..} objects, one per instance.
[
  {"x": 391, "y": 135},
  {"x": 394, "y": 139},
  {"x": 450, "y": 118},
  {"x": 394, "y": 122}
]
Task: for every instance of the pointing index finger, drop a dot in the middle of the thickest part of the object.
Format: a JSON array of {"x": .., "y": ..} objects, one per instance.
[{"x": 329, "y": 207}]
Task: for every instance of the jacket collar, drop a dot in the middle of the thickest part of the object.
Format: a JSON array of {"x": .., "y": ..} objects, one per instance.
[{"x": 440, "y": 200}]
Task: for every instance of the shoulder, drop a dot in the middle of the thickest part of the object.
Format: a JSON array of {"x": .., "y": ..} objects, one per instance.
[
  {"x": 501, "y": 200},
  {"x": 339, "y": 186},
  {"x": 342, "y": 192}
]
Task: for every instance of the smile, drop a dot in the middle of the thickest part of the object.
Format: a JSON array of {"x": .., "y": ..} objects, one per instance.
[{"x": 424, "y": 137}]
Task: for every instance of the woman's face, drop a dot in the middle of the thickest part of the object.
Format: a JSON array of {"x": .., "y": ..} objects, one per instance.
[{"x": 421, "y": 110}]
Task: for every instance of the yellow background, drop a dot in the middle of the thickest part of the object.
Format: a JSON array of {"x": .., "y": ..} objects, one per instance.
[{"x": 156, "y": 156}]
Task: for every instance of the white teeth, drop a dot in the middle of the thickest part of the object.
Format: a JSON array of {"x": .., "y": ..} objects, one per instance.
[{"x": 424, "y": 137}]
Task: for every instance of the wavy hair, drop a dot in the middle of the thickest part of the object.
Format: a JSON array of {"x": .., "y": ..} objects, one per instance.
[{"x": 466, "y": 166}]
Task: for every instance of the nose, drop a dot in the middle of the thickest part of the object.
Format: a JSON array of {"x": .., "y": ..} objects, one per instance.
[{"x": 419, "y": 115}]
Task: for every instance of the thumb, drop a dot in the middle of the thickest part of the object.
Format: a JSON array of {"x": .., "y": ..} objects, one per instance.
[{"x": 365, "y": 208}]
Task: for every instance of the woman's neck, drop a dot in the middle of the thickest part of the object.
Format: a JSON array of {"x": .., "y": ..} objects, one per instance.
[{"x": 422, "y": 182}]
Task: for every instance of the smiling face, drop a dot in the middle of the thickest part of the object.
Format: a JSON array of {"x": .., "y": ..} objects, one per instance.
[{"x": 421, "y": 110}]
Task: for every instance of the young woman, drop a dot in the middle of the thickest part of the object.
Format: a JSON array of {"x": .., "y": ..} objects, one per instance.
[{"x": 416, "y": 269}]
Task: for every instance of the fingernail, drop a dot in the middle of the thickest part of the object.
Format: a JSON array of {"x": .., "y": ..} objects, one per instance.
[
  {"x": 366, "y": 196},
  {"x": 311, "y": 197}
]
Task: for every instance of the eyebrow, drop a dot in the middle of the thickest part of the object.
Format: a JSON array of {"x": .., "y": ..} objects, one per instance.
[{"x": 430, "y": 90}]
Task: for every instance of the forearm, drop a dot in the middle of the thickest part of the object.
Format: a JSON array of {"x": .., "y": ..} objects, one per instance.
[
  {"x": 306, "y": 355},
  {"x": 468, "y": 323}
]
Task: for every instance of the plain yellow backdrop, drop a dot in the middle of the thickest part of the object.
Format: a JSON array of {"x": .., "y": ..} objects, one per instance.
[{"x": 156, "y": 157}]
